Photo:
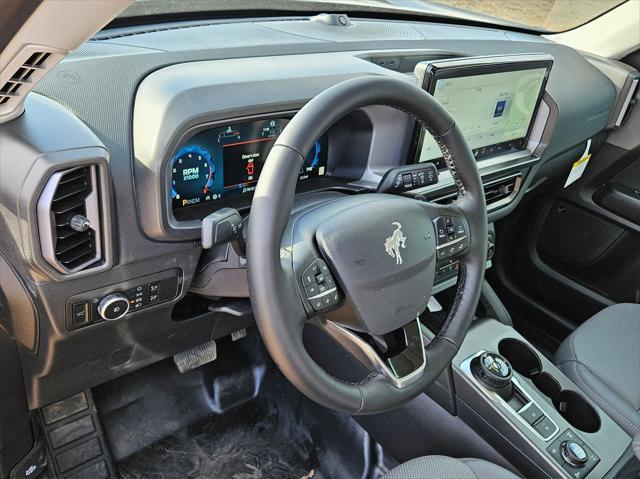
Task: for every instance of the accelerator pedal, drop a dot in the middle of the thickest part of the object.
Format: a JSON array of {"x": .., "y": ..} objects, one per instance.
[{"x": 196, "y": 357}]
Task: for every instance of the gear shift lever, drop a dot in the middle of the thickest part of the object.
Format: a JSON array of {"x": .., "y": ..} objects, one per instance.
[{"x": 494, "y": 372}]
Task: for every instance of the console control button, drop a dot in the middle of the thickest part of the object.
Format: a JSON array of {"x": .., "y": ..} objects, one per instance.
[
  {"x": 154, "y": 293},
  {"x": 573, "y": 453},
  {"x": 80, "y": 313},
  {"x": 545, "y": 427},
  {"x": 531, "y": 414},
  {"x": 113, "y": 306}
]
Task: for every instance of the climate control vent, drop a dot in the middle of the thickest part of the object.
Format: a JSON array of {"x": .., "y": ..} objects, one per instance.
[
  {"x": 69, "y": 219},
  {"x": 18, "y": 77},
  {"x": 497, "y": 193}
]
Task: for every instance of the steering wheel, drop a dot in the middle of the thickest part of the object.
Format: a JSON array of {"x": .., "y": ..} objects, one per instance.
[{"x": 362, "y": 267}]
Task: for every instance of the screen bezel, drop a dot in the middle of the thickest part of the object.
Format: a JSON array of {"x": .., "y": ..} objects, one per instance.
[{"x": 465, "y": 67}]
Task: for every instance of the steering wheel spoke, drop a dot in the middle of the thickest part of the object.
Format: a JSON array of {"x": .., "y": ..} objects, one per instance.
[{"x": 398, "y": 356}]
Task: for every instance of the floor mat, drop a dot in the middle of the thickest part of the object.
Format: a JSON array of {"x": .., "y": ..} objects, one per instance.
[
  {"x": 247, "y": 443},
  {"x": 235, "y": 418}
]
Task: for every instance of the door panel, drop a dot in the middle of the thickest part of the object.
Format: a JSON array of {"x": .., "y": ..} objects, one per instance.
[{"x": 567, "y": 253}]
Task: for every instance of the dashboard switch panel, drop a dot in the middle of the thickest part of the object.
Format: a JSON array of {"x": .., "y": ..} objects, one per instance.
[
  {"x": 120, "y": 300},
  {"x": 407, "y": 178}
]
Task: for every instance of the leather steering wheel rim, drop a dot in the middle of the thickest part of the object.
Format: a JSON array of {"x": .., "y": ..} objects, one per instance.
[{"x": 277, "y": 306}]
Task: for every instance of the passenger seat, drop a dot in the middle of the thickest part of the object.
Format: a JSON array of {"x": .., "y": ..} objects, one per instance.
[{"x": 602, "y": 357}]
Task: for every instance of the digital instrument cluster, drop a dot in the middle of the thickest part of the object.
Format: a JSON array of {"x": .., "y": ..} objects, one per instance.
[{"x": 225, "y": 162}]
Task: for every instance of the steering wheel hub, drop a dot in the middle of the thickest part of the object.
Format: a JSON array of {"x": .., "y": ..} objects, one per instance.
[{"x": 383, "y": 252}]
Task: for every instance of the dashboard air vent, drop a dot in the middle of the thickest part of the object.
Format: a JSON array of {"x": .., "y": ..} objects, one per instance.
[
  {"x": 19, "y": 76},
  {"x": 497, "y": 193},
  {"x": 69, "y": 220},
  {"x": 13, "y": 87}
]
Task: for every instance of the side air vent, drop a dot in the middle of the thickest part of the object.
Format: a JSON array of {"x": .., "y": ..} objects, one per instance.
[
  {"x": 497, "y": 193},
  {"x": 69, "y": 220}
]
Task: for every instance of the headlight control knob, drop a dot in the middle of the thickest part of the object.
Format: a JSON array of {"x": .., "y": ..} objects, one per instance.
[{"x": 113, "y": 306}]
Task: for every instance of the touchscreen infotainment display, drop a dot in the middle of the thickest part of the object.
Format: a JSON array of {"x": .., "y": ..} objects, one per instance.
[
  {"x": 494, "y": 109},
  {"x": 226, "y": 162}
]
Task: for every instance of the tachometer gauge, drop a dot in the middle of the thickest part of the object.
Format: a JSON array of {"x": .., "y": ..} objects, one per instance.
[{"x": 192, "y": 175}]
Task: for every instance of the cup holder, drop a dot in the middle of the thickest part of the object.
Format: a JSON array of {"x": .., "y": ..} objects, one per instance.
[
  {"x": 577, "y": 411},
  {"x": 574, "y": 408},
  {"x": 547, "y": 385},
  {"x": 523, "y": 359}
]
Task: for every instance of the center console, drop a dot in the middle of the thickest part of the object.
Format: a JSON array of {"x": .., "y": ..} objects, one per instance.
[{"x": 511, "y": 393}]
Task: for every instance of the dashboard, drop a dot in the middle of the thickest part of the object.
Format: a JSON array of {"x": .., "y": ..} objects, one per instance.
[{"x": 179, "y": 123}]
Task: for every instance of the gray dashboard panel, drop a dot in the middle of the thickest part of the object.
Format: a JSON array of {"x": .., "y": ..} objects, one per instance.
[{"x": 176, "y": 98}]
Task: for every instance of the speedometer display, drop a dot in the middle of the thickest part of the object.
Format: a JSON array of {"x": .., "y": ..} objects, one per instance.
[{"x": 226, "y": 162}]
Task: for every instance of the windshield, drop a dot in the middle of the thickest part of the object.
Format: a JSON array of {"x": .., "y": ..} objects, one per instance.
[{"x": 543, "y": 15}]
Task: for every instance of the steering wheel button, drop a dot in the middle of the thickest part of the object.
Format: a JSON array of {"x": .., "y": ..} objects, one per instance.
[
  {"x": 317, "y": 304},
  {"x": 311, "y": 290},
  {"x": 329, "y": 282},
  {"x": 322, "y": 288}
]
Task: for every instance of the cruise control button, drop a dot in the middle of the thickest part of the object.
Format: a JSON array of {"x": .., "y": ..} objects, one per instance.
[
  {"x": 317, "y": 304},
  {"x": 322, "y": 267},
  {"x": 311, "y": 290},
  {"x": 335, "y": 298}
]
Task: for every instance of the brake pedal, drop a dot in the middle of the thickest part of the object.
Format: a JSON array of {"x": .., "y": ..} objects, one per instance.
[{"x": 196, "y": 357}]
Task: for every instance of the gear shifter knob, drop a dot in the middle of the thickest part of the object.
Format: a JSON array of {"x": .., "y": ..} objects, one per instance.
[{"x": 494, "y": 372}]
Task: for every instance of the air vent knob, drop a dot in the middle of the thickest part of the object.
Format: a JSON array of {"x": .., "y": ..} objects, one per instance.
[
  {"x": 79, "y": 223},
  {"x": 113, "y": 306}
]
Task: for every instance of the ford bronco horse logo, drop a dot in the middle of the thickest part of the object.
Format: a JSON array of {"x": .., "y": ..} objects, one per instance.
[{"x": 394, "y": 242}]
